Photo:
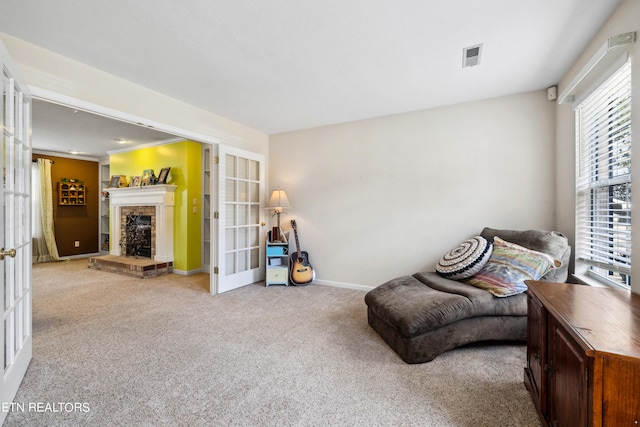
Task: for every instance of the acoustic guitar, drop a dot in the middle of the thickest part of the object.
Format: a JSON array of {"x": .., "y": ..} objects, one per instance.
[{"x": 301, "y": 271}]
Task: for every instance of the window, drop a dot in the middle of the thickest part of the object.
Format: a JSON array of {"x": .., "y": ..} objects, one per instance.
[{"x": 603, "y": 181}]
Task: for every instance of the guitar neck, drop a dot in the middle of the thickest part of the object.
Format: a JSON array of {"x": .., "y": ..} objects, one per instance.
[{"x": 295, "y": 233}]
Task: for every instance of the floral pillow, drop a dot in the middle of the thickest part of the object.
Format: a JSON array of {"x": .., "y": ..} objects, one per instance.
[{"x": 509, "y": 266}]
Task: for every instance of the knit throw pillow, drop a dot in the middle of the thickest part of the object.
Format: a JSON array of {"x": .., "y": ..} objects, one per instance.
[
  {"x": 466, "y": 259},
  {"x": 509, "y": 266}
]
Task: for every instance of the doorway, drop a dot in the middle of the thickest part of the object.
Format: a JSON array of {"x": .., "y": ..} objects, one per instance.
[{"x": 217, "y": 230}]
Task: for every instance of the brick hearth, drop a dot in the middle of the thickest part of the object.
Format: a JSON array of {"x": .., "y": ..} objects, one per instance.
[{"x": 137, "y": 267}]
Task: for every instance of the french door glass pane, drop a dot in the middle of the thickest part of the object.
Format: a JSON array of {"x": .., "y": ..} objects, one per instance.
[
  {"x": 243, "y": 168},
  {"x": 5, "y": 99},
  {"x": 5, "y": 150},
  {"x": 17, "y": 229},
  {"x": 242, "y": 215},
  {"x": 17, "y": 112},
  {"x": 8, "y": 342},
  {"x": 242, "y": 237},
  {"x": 254, "y": 170},
  {"x": 253, "y": 236},
  {"x": 255, "y": 258},
  {"x": 17, "y": 158},
  {"x": 230, "y": 165},
  {"x": 242, "y": 260},
  {"x": 254, "y": 192},
  {"x": 8, "y": 163},
  {"x": 230, "y": 264},
  {"x": 230, "y": 215},
  {"x": 254, "y": 214},
  {"x": 231, "y": 190},
  {"x": 230, "y": 239},
  {"x": 243, "y": 191}
]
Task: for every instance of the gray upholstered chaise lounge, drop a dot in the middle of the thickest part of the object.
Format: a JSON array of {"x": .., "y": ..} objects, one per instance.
[{"x": 424, "y": 315}]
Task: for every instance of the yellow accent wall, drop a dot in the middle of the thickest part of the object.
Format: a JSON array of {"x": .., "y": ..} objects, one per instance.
[{"x": 185, "y": 160}]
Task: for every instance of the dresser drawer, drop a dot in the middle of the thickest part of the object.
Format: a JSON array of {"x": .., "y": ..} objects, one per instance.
[{"x": 277, "y": 275}]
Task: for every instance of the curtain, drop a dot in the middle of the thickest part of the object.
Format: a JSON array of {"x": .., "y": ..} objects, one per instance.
[
  {"x": 40, "y": 251},
  {"x": 44, "y": 241}
]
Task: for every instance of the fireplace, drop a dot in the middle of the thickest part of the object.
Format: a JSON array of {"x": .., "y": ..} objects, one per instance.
[
  {"x": 137, "y": 234},
  {"x": 141, "y": 225},
  {"x": 156, "y": 201},
  {"x": 138, "y": 231}
]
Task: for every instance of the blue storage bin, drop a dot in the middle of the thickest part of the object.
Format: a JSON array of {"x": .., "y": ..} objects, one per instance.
[{"x": 276, "y": 251}]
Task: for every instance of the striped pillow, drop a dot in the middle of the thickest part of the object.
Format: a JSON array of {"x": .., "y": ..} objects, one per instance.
[
  {"x": 509, "y": 266},
  {"x": 466, "y": 259}
]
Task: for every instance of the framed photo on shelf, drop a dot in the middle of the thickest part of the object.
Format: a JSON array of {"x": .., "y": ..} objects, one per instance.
[
  {"x": 146, "y": 177},
  {"x": 115, "y": 181},
  {"x": 162, "y": 178},
  {"x": 135, "y": 181}
]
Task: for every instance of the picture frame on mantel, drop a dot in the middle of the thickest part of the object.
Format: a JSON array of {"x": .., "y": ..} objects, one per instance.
[
  {"x": 164, "y": 173},
  {"x": 135, "y": 181},
  {"x": 147, "y": 175},
  {"x": 114, "y": 182}
]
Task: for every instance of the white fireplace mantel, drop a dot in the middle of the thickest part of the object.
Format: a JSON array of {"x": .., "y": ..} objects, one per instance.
[{"x": 162, "y": 198}]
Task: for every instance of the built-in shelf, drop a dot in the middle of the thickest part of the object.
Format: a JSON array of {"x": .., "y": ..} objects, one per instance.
[
  {"x": 207, "y": 161},
  {"x": 104, "y": 233}
]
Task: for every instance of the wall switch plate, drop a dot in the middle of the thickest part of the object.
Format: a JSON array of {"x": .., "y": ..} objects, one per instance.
[{"x": 77, "y": 243}]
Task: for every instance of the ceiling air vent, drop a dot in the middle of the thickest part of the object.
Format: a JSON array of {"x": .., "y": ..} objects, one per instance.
[{"x": 471, "y": 56}]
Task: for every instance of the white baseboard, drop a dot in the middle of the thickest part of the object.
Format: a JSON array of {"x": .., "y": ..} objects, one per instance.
[
  {"x": 81, "y": 256},
  {"x": 343, "y": 285},
  {"x": 187, "y": 272}
]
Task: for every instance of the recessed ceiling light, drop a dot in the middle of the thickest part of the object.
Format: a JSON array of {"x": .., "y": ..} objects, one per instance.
[
  {"x": 121, "y": 141},
  {"x": 75, "y": 152}
]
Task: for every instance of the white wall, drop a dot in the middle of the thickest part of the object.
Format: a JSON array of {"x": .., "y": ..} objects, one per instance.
[
  {"x": 625, "y": 19},
  {"x": 51, "y": 72},
  {"x": 381, "y": 198}
]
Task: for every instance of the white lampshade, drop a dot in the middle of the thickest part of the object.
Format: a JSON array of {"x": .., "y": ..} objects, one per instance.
[{"x": 278, "y": 199}]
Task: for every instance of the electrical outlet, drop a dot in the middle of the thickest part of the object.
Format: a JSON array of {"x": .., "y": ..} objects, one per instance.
[{"x": 77, "y": 243}]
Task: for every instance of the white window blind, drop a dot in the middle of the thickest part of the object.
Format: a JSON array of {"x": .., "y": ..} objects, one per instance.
[{"x": 603, "y": 182}]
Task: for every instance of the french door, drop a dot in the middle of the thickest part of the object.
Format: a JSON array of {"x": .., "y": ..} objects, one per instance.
[
  {"x": 15, "y": 230},
  {"x": 241, "y": 177}
]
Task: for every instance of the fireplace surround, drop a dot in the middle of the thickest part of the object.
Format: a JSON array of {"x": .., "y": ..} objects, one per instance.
[{"x": 157, "y": 201}]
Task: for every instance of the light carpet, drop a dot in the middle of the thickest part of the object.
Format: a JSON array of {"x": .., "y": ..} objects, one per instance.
[{"x": 110, "y": 350}]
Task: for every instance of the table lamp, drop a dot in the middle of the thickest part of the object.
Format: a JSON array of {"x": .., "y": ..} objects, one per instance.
[{"x": 278, "y": 201}]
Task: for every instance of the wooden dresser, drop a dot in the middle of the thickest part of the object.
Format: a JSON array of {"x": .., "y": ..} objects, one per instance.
[{"x": 583, "y": 355}]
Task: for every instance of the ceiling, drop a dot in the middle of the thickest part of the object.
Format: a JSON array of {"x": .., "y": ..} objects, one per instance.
[
  {"x": 284, "y": 65},
  {"x": 76, "y": 133}
]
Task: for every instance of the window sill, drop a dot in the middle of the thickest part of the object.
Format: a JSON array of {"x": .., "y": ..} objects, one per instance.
[{"x": 584, "y": 279}]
